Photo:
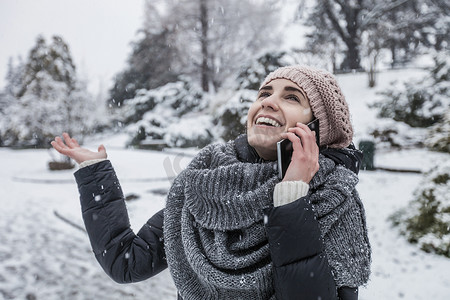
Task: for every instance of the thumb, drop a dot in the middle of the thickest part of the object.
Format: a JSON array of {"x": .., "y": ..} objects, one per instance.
[{"x": 102, "y": 149}]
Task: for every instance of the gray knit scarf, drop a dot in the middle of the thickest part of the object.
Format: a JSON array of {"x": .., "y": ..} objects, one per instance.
[{"x": 215, "y": 242}]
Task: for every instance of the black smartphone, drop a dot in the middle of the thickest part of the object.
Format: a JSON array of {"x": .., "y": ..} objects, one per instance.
[{"x": 284, "y": 149}]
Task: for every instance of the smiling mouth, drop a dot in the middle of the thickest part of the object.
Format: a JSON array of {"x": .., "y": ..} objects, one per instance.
[{"x": 267, "y": 122}]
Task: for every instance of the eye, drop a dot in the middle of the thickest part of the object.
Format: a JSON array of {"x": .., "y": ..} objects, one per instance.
[
  {"x": 293, "y": 98},
  {"x": 264, "y": 95}
]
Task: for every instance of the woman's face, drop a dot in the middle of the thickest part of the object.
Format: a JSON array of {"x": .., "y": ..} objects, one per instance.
[{"x": 279, "y": 105}]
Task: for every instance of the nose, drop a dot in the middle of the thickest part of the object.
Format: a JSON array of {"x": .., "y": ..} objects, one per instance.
[{"x": 270, "y": 102}]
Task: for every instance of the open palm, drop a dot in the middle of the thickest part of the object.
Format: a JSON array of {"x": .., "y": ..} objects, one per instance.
[{"x": 72, "y": 149}]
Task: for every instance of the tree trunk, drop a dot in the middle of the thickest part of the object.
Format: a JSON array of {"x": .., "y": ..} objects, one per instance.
[
  {"x": 372, "y": 70},
  {"x": 352, "y": 60},
  {"x": 352, "y": 41},
  {"x": 204, "y": 45},
  {"x": 394, "y": 56},
  {"x": 349, "y": 34}
]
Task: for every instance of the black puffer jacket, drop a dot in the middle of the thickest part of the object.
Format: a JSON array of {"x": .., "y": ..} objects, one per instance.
[{"x": 301, "y": 270}]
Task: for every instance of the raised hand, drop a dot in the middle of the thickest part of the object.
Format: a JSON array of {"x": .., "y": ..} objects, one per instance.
[
  {"x": 305, "y": 157},
  {"x": 71, "y": 149}
]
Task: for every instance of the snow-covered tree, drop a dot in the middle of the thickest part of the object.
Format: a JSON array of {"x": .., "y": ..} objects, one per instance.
[
  {"x": 426, "y": 220},
  {"x": 419, "y": 103},
  {"x": 212, "y": 41},
  {"x": 438, "y": 138},
  {"x": 14, "y": 76},
  {"x": 414, "y": 113},
  {"x": 400, "y": 26},
  {"x": 215, "y": 38},
  {"x": 341, "y": 21},
  {"x": 150, "y": 65},
  {"x": 172, "y": 114},
  {"x": 207, "y": 41},
  {"x": 46, "y": 98},
  {"x": 412, "y": 26}
]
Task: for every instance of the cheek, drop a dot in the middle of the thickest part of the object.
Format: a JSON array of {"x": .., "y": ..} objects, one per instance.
[
  {"x": 251, "y": 113},
  {"x": 299, "y": 115},
  {"x": 307, "y": 112}
]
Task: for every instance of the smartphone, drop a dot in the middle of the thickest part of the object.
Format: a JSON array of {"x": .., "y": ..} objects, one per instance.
[{"x": 284, "y": 149}]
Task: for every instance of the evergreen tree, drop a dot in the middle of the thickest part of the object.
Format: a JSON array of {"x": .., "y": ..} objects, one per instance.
[
  {"x": 49, "y": 98},
  {"x": 439, "y": 134},
  {"x": 425, "y": 220},
  {"x": 149, "y": 66},
  {"x": 419, "y": 103},
  {"x": 14, "y": 79},
  {"x": 53, "y": 60}
]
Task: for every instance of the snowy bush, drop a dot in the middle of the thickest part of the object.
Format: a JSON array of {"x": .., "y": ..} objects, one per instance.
[
  {"x": 439, "y": 135},
  {"x": 149, "y": 115},
  {"x": 426, "y": 221},
  {"x": 232, "y": 115},
  {"x": 193, "y": 131},
  {"x": 419, "y": 103},
  {"x": 253, "y": 74},
  {"x": 176, "y": 98},
  {"x": 388, "y": 133}
]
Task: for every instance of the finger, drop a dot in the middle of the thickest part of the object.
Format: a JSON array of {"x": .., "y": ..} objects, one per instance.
[
  {"x": 75, "y": 142},
  {"x": 303, "y": 126},
  {"x": 301, "y": 134},
  {"x": 60, "y": 149},
  {"x": 309, "y": 137},
  {"x": 60, "y": 143},
  {"x": 296, "y": 142},
  {"x": 55, "y": 146},
  {"x": 68, "y": 140}
]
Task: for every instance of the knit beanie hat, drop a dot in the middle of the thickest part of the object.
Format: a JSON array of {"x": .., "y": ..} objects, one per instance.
[{"x": 326, "y": 100}]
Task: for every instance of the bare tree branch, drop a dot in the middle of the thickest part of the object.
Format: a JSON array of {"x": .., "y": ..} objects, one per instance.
[{"x": 372, "y": 17}]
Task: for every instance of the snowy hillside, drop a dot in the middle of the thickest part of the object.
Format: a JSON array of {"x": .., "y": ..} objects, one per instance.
[{"x": 43, "y": 257}]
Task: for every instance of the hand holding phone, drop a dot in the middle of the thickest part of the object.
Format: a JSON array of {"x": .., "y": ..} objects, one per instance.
[{"x": 285, "y": 149}]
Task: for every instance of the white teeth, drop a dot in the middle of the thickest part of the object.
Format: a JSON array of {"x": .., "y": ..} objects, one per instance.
[{"x": 268, "y": 121}]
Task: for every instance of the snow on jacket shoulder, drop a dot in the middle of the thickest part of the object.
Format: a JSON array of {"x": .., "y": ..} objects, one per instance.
[{"x": 123, "y": 255}]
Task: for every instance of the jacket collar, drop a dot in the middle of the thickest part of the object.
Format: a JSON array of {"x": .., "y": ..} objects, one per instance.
[
  {"x": 349, "y": 157},
  {"x": 245, "y": 152}
]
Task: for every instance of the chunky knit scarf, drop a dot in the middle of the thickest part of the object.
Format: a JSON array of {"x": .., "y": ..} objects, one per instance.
[{"x": 215, "y": 242}]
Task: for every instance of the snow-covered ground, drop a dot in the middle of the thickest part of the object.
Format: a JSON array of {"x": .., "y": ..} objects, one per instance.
[{"x": 43, "y": 257}]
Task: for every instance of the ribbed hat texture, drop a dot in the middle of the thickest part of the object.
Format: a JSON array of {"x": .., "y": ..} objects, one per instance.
[{"x": 326, "y": 100}]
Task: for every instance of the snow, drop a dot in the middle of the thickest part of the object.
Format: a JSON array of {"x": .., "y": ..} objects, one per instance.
[{"x": 43, "y": 257}]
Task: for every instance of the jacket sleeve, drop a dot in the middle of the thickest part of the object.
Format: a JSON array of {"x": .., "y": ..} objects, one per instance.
[
  {"x": 300, "y": 266},
  {"x": 123, "y": 255}
]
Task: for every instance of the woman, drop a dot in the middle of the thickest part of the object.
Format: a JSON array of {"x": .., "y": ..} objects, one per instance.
[{"x": 232, "y": 229}]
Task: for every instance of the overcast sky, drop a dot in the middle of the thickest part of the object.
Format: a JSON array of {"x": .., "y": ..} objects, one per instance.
[{"x": 98, "y": 32}]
